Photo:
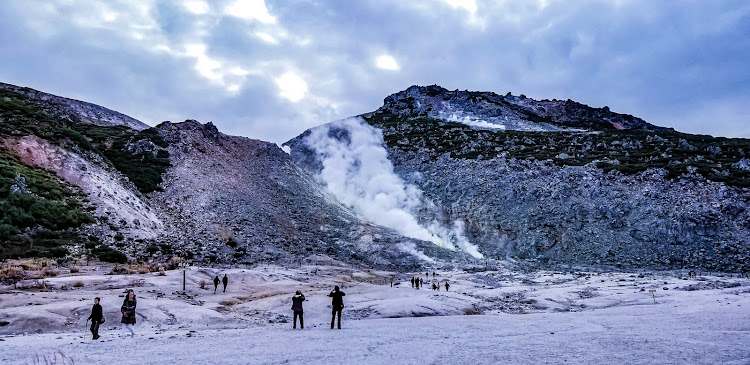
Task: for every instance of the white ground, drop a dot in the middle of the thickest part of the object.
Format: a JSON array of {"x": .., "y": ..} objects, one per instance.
[{"x": 521, "y": 318}]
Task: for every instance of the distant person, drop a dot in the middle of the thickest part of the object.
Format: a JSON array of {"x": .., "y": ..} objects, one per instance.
[
  {"x": 391, "y": 281},
  {"x": 297, "y": 300},
  {"x": 225, "y": 281},
  {"x": 97, "y": 318},
  {"x": 434, "y": 286},
  {"x": 427, "y": 274},
  {"x": 216, "y": 283},
  {"x": 433, "y": 274},
  {"x": 128, "y": 313},
  {"x": 421, "y": 282},
  {"x": 412, "y": 282},
  {"x": 447, "y": 286},
  {"x": 337, "y": 304}
]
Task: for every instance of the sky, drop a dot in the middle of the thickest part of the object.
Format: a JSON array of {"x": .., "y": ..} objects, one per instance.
[{"x": 269, "y": 69}]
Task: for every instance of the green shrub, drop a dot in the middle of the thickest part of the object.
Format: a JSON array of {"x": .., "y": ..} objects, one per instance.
[
  {"x": 109, "y": 254},
  {"x": 49, "y": 252}
]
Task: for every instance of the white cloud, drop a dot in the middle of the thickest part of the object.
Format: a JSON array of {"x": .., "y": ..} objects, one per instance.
[
  {"x": 250, "y": 9},
  {"x": 267, "y": 37},
  {"x": 386, "y": 62},
  {"x": 468, "y": 5},
  {"x": 218, "y": 72},
  {"x": 292, "y": 86},
  {"x": 198, "y": 7}
]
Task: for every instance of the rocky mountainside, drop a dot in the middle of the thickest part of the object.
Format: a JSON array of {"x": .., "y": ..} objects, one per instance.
[
  {"x": 432, "y": 178},
  {"x": 69, "y": 109},
  {"x": 104, "y": 186},
  {"x": 561, "y": 182},
  {"x": 235, "y": 199}
]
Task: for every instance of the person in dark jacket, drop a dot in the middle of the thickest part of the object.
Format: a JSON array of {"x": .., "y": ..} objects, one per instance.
[
  {"x": 216, "y": 283},
  {"x": 225, "y": 280},
  {"x": 96, "y": 318},
  {"x": 297, "y": 300},
  {"x": 337, "y": 304},
  {"x": 128, "y": 313}
]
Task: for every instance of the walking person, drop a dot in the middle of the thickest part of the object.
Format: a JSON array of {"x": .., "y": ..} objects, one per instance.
[
  {"x": 447, "y": 286},
  {"x": 97, "y": 318},
  {"x": 216, "y": 283},
  {"x": 337, "y": 304},
  {"x": 297, "y": 300},
  {"x": 128, "y": 313},
  {"x": 225, "y": 280},
  {"x": 412, "y": 282}
]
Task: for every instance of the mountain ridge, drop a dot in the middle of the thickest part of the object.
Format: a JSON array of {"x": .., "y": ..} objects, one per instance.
[{"x": 449, "y": 180}]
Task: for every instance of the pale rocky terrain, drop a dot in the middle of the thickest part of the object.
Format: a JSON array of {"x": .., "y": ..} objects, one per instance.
[{"x": 494, "y": 315}]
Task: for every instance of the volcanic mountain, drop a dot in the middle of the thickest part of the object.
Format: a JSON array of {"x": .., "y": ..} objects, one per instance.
[{"x": 432, "y": 178}]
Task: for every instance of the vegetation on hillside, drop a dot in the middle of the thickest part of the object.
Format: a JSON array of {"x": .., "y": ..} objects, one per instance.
[
  {"x": 37, "y": 210},
  {"x": 144, "y": 167},
  {"x": 40, "y": 218},
  {"x": 627, "y": 151}
]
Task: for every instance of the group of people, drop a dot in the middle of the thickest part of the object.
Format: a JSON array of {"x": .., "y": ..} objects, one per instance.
[
  {"x": 129, "y": 303},
  {"x": 337, "y": 306},
  {"x": 416, "y": 282},
  {"x": 128, "y": 315},
  {"x": 224, "y": 280}
]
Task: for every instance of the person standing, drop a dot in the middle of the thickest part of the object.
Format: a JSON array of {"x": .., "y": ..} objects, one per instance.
[
  {"x": 225, "y": 280},
  {"x": 97, "y": 318},
  {"x": 216, "y": 283},
  {"x": 297, "y": 300},
  {"x": 447, "y": 286},
  {"x": 412, "y": 282},
  {"x": 337, "y": 304},
  {"x": 128, "y": 313}
]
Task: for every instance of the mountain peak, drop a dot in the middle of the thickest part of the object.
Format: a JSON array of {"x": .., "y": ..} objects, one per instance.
[{"x": 488, "y": 110}]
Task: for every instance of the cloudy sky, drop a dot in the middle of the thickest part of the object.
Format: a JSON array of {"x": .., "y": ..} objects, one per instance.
[{"x": 271, "y": 69}]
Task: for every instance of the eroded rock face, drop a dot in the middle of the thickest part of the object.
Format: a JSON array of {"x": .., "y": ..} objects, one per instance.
[
  {"x": 537, "y": 210},
  {"x": 118, "y": 203}
]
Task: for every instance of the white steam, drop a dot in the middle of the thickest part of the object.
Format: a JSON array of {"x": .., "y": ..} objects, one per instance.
[{"x": 357, "y": 171}]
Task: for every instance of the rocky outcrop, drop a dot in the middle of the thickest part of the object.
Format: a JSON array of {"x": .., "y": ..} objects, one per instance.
[{"x": 508, "y": 112}]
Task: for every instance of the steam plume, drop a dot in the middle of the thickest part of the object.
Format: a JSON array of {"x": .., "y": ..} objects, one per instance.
[{"x": 357, "y": 171}]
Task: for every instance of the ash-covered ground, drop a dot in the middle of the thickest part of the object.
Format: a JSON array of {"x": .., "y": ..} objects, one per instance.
[{"x": 497, "y": 315}]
